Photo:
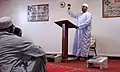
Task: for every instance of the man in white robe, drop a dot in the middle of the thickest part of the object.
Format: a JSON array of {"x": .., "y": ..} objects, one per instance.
[
  {"x": 83, "y": 33},
  {"x": 18, "y": 54}
]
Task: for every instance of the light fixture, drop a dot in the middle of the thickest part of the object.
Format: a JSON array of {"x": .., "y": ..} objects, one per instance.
[{"x": 62, "y": 4}]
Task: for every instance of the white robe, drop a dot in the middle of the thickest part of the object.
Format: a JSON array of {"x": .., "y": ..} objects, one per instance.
[{"x": 83, "y": 33}]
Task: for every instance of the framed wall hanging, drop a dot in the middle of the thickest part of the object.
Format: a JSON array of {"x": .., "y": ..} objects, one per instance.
[
  {"x": 38, "y": 13},
  {"x": 110, "y": 8}
]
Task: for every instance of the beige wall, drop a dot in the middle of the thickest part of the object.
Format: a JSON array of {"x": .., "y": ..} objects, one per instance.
[
  {"x": 48, "y": 35},
  {"x": 106, "y": 30}
]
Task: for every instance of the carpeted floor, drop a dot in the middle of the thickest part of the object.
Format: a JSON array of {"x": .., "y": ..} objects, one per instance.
[{"x": 80, "y": 66}]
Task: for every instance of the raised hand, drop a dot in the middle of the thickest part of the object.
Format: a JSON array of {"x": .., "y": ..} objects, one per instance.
[{"x": 69, "y": 6}]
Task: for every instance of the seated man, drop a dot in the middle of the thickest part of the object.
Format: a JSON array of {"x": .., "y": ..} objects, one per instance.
[
  {"x": 18, "y": 54},
  {"x": 18, "y": 31}
]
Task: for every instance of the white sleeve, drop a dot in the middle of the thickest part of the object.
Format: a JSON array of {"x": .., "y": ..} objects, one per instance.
[{"x": 72, "y": 14}]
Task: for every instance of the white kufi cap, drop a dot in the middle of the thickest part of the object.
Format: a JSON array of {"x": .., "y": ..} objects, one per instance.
[
  {"x": 5, "y": 22},
  {"x": 86, "y": 5}
]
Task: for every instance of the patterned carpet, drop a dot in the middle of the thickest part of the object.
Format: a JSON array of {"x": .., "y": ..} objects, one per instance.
[
  {"x": 113, "y": 66},
  {"x": 60, "y": 68}
]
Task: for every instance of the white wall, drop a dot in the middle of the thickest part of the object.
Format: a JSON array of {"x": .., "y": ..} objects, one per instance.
[
  {"x": 48, "y": 35},
  {"x": 105, "y": 29}
]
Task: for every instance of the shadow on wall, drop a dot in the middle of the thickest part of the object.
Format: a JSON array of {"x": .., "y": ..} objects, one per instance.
[{"x": 107, "y": 46}]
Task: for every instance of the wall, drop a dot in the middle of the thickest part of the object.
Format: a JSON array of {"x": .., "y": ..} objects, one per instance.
[
  {"x": 105, "y": 29},
  {"x": 48, "y": 34}
]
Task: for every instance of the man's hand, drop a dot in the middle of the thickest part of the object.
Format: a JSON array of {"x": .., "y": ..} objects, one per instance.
[
  {"x": 78, "y": 25},
  {"x": 69, "y": 6}
]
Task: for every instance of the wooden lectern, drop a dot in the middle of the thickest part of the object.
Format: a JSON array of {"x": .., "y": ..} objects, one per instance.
[{"x": 65, "y": 24}]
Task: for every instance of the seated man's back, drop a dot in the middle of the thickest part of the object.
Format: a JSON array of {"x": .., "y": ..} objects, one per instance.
[{"x": 16, "y": 52}]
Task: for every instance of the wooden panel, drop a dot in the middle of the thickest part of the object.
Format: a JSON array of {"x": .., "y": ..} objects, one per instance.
[
  {"x": 68, "y": 23},
  {"x": 64, "y": 42}
]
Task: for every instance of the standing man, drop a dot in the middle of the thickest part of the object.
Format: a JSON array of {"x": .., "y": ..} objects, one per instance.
[{"x": 83, "y": 33}]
